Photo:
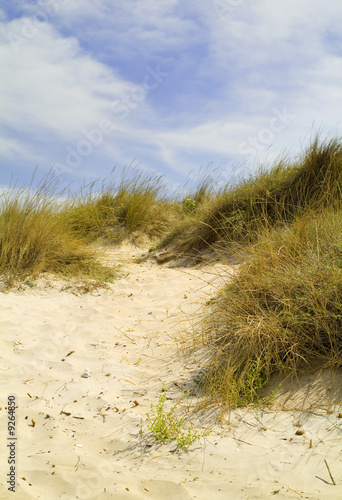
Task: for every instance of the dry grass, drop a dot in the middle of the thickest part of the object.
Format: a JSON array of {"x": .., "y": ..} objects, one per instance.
[
  {"x": 131, "y": 208},
  {"x": 277, "y": 196},
  {"x": 282, "y": 313},
  {"x": 36, "y": 237}
]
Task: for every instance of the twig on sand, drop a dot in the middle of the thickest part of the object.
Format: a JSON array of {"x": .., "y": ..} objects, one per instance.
[
  {"x": 332, "y": 479},
  {"x": 77, "y": 463},
  {"x": 294, "y": 491},
  {"x": 242, "y": 441},
  {"x": 125, "y": 334},
  {"x": 62, "y": 387}
]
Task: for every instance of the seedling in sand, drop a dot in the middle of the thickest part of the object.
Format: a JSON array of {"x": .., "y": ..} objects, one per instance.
[{"x": 166, "y": 426}]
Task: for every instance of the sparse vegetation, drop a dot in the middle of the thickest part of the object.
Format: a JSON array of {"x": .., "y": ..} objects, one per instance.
[{"x": 167, "y": 426}]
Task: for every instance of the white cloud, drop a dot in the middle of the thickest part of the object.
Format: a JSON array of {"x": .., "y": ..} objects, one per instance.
[
  {"x": 127, "y": 27},
  {"x": 10, "y": 147},
  {"x": 136, "y": 22},
  {"x": 258, "y": 35},
  {"x": 51, "y": 84}
]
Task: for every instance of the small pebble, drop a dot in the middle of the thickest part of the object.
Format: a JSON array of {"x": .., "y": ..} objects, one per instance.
[{"x": 300, "y": 432}]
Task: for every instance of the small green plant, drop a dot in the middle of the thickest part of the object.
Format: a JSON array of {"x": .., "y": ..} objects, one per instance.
[
  {"x": 30, "y": 284},
  {"x": 188, "y": 205},
  {"x": 185, "y": 480},
  {"x": 247, "y": 389},
  {"x": 166, "y": 426},
  {"x": 255, "y": 380}
]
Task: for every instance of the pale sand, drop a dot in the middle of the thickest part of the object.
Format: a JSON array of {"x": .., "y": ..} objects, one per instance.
[{"x": 129, "y": 353}]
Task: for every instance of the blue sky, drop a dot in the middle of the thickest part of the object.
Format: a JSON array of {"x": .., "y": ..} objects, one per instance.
[{"x": 173, "y": 86}]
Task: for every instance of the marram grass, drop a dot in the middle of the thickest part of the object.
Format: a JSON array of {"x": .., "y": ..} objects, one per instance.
[
  {"x": 281, "y": 313},
  {"x": 36, "y": 237},
  {"x": 268, "y": 198}
]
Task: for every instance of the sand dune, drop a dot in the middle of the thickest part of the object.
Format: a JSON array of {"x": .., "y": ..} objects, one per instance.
[{"x": 78, "y": 437}]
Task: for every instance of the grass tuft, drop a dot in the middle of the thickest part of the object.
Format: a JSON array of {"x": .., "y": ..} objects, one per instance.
[
  {"x": 132, "y": 207},
  {"x": 282, "y": 313},
  {"x": 36, "y": 237},
  {"x": 270, "y": 197}
]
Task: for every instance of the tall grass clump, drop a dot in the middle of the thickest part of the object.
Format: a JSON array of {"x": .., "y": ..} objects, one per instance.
[
  {"x": 282, "y": 312},
  {"x": 275, "y": 196},
  {"x": 134, "y": 206},
  {"x": 36, "y": 237}
]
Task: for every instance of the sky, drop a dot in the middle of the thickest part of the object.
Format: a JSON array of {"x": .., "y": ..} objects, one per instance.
[{"x": 179, "y": 87}]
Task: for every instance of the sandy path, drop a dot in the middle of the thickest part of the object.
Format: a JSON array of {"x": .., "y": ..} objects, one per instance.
[{"x": 79, "y": 437}]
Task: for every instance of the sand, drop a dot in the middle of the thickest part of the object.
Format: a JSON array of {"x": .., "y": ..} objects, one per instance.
[{"x": 78, "y": 437}]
